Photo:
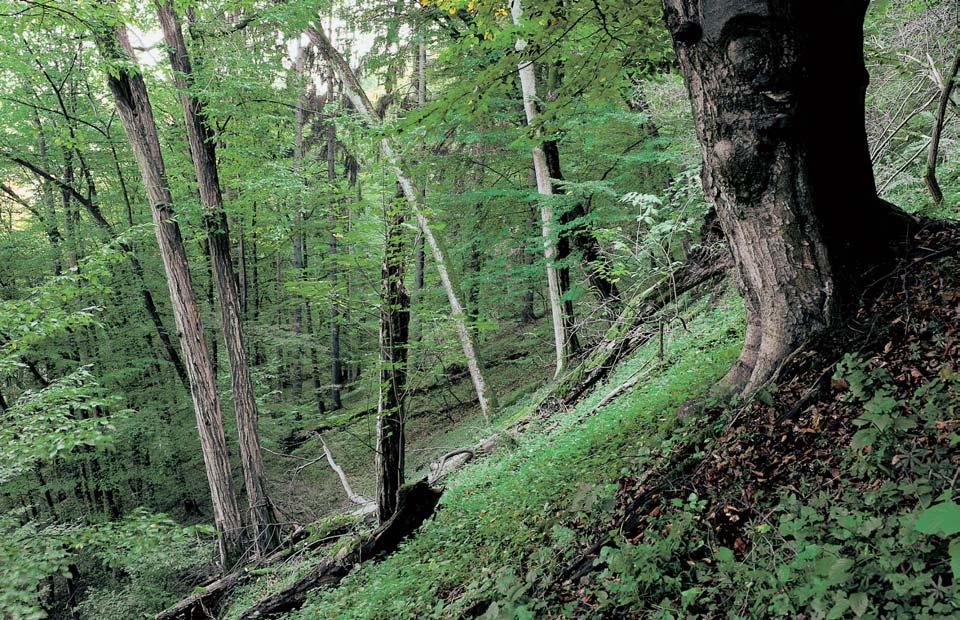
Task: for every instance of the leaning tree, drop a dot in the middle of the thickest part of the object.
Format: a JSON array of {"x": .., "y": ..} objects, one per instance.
[{"x": 778, "y": 90}]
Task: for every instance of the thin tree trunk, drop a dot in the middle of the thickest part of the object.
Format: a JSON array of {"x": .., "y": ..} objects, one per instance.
[
  {"x": 418, "y": 249},
  {"x": 528, "y": 85},
  {"x": 297, "y": 256},
  {"x": 527, "y": 313},
  {"x": 394, "y": 334},
  {"x": 578, "y": 235},
  {"x": 202, "y": 151},
  {"x": 930, "y": 177},
  {"x": 49, "y": 203},
  {"x": 362, "y": 103},
  {"x": 336, "y": 363},
  {"x": 133, "y": 105}
]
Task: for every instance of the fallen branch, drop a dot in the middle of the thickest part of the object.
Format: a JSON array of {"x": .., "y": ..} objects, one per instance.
[
  {"x": 416, "y": 503},
  {"x": 206, "y": 603},
  {"x": 633, "y": 329},
  {"x": 355, "y": 497}
]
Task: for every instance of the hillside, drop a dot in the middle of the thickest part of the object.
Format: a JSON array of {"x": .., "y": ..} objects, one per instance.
[
  {"x": 838, "y": 475},
  {"x": 479, "y": 309}
]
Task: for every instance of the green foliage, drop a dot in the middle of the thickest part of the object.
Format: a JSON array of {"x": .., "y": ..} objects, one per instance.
[
  {"x": 472, "y": 551},
  {"x": 54, "y": 422}
]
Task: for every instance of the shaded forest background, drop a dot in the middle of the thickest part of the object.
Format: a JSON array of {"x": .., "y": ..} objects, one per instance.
[{"x": 105, "y": 509}]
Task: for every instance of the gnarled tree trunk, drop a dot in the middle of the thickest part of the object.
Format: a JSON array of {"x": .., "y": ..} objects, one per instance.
[{"x": 778, "y": 97}]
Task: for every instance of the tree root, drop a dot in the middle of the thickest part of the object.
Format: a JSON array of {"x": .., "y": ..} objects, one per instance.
[{"x": 416, "y": 503}]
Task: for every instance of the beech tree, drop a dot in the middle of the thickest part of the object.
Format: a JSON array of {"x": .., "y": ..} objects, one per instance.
[
  {"x": 778, "y": 97},
  {"x": 528, "y": 85}
]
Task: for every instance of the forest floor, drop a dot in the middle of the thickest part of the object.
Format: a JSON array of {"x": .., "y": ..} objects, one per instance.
[{"x": 830, "y": 494}]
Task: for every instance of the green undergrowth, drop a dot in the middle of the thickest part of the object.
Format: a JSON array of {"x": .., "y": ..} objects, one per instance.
[
  {"x": 875, "y": 537},
  {"x": 520, "y": 511},
  {"x": 871, "y": 532}
]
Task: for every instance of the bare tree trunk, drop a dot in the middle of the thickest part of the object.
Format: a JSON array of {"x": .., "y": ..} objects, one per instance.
[
  {"x": 298, "y": 156},
  {"x": 362, "y": 103},
  {"x": 133, "y": 105},
  {"x": 336, "y": 363},
  {"x": 930, "y": 177},
  {"x": 203, "y": 154},
  {"x": 418, "y": 249},
  {"x": 528, "y": 85},
  {"x": 394, "y": 335},
  {"x": 778, "y": 97}
]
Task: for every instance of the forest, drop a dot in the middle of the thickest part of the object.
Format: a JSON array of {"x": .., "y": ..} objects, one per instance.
[{"x": 479, "y": 309}]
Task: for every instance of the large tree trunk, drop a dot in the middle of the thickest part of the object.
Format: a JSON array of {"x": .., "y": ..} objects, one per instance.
[
  {"x": 133, "y": 105},
  {"x": 528, "y": 84},
  {"x": 202, "y": 151},
  {"x": 361, "y": 102},
  {"x": 394, "y": 335},
  {"x": 778, "y": 97}
]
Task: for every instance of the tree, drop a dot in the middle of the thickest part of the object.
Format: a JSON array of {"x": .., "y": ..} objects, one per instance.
[
  {"x": 778, "y": 98},
  {"x": 203, "y": 154},
  {"x": 394, "y": 337},
  {"x": 136, "y": 114},
  {"x": 528, "y": 84},
  {"x": 357, "y": 96}
]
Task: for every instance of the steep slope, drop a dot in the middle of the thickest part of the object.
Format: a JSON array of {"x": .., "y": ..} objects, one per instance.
[{"x": 829, "y": 494}]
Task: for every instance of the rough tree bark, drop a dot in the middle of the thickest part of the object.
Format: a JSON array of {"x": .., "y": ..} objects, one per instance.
[
  {"x": 361, "y": 102},
  {"x": 394, "y": 335},
  {"x": 263, "y": 521},
  {"x": 528, "y": 84},
  {"x": 136, "y": 114},
  {"x": 778, "y": 96}
]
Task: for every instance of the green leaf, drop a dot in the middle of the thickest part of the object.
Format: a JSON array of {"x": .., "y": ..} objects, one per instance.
[
  {"x": 954, "y": 551},
  {"x": 724, "y": 555},
  {"x": 941, "y": 518},
  {"x": 859, "y": 602}
]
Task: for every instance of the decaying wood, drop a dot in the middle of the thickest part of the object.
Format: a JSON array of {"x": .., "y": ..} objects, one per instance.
[
  {"x": 455, "y": 459},
  {"x": 355, "y": 497},
  {"x": 930, "y": 176},
  {"x": 415, "y": 504},
  {"x": 206, "y": 603}
]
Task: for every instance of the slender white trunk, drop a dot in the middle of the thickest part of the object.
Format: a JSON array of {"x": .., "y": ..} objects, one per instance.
[
  {"x": 528, "y": 84},
  {"x": 357, "y": 96}
]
